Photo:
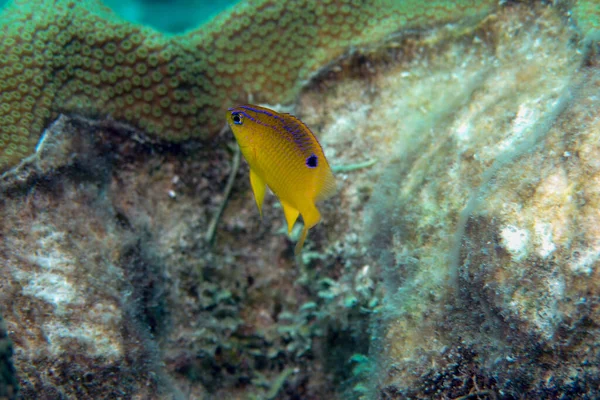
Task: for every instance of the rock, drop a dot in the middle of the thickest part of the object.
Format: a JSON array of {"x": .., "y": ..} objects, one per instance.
[
  {"x": 8, "y": 380},
  {"x": 484, "y": 213},
  {"x": 68, "y": 294}
]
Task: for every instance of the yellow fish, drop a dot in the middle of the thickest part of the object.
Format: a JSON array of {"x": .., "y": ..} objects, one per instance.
[{"x": 284, "y": 155}]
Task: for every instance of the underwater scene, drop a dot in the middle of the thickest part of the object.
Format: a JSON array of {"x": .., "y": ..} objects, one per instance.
[{"x": 300, "y": 199}]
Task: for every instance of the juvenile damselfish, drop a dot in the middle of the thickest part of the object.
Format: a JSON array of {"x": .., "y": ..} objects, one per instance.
[{"x": 284, "y": 155}]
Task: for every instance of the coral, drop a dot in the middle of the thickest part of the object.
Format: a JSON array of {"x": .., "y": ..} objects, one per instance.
[
  {"x": 587, "y": 15},
  {"x": 70, "y": 56}
]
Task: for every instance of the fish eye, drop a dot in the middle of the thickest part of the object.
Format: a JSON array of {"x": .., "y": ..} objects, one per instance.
[
  {"x": 237, "y": 118},
  {"x": 312, "y": 161}
]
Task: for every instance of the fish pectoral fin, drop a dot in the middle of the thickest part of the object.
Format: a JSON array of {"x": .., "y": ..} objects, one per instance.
[
  {"x": 291, "y": 215},
  {"x": 259, "y": 187},
  {"x": 310, "y": 218}
]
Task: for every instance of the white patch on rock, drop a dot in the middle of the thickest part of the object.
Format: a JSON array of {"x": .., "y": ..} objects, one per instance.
[
  {"x": 527, "y": 115},
  {"x": 543, "y": 239},
  {"x": 547, "y": 316},
  {"x": 463, "y": 131},
  {"x": 515, "y": 241},
  {"x": 50, "y": 287},
  {"x": 344, "y": 127},
  {"x": 49, "y": 274},
  {"x": 49, "y": 279},
  {"x": 583, "y": 263},
  {"x": 556, "y": 288},
  {"x": 97, "y": 339}
]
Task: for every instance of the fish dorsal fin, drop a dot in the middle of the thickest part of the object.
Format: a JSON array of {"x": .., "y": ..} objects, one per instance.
[
  {"x": 300, "y": 133},
  {"x": 291, "y": 215},
  {"x": 259, "y": 187}
]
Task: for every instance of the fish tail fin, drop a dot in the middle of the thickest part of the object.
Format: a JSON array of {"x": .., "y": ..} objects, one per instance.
[
  {"x": 311, "y": 218},
  {"x": 300, "y": 243}
]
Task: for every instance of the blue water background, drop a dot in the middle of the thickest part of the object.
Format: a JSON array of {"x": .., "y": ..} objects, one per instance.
[{"x": 173, "y": 16}]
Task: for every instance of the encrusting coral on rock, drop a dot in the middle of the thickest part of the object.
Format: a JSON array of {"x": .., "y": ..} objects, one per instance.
[{"x": 78, "y": 57}]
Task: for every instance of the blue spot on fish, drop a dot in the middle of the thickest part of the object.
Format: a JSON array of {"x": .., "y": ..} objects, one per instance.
[{"x": 312, "y": 161}]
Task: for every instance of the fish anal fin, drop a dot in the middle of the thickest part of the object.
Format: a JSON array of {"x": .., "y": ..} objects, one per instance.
[
  {"x": 259, "y": 187},
  {"x": 291, "y": 215}
]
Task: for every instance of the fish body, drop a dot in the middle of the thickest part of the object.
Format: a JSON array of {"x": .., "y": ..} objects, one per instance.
[{"x": 284, "y": 155}]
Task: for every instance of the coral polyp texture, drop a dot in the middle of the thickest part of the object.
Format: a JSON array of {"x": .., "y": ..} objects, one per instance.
[{"x": 60, "y": 56}]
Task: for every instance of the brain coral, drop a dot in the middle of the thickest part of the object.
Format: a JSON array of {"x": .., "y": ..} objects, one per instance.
[{"x": 64, "y": 56}]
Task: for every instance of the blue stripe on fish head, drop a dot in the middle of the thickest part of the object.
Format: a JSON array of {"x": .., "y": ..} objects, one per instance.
[
  {"x": 293, "y": 131},
  {"x": 267, "y": 113}
]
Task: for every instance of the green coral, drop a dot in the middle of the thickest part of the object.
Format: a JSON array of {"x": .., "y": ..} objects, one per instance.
[
  {"x": 65, "y": 56},
  {"x": 587, "y": 15}
]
